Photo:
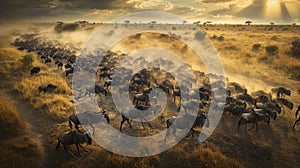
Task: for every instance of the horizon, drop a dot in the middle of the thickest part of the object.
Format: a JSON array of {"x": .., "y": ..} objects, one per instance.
[{"x": 217, "y": 11}]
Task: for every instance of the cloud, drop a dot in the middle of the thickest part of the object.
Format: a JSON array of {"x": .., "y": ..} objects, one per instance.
[
  {"x": 215, "y": 1},
  {"x": 229, "y": 10},
  {"x": 102, "y": 10}
]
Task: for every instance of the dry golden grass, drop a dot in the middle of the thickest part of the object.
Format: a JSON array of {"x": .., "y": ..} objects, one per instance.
[
  {"x": 243, "y": 38},
  {"x": 56, "y": 105},
  {"x": 11, "y": 123},
  {"x": 20, "y": 152},
  {"x": 17, "y": 149}
]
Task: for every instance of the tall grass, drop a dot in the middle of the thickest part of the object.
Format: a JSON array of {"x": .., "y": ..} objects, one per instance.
[
  {"x": 11, "y": 123},
  {"x": 56, "y": 105},
  {"x": 17, "y": 150}
]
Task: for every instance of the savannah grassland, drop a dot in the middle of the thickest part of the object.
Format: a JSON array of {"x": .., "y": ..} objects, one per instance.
[{"x": 31, "y": 123}]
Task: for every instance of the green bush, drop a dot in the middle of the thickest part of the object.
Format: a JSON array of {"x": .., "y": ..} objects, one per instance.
[{"x": 27, "y": 60}]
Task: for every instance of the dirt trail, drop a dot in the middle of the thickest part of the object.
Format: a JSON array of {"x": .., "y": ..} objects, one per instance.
[{"x": 37, "y": 126}]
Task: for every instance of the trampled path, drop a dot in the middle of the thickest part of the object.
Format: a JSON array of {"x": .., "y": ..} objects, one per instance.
[{"x": 37, "y": 127}]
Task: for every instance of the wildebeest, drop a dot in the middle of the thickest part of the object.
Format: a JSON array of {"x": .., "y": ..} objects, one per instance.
[
  {"x": 88, "y": 118},
  {"x": 273, "y": 106},
  {"x": 296, "y": 114},
  {"x": 281, "y": 91},
  {"x": 47, "y": 88},
  {"x": 185, "y": 122},
  {"x": 261, "y": 96},
  {"x": 247, "y": 98},
  {"x": 48, "y": 61},
  {"x": 285, "y": 102},
  {"x": 252, "y": 118},
  {"x": 69, "y": 71},
  {"x": 35, "y": 70},
  {"x": 107, "y": 83},
  {"x": 125, "y": 88},
  {"x": 238, "y": 89},
  {"x": 134, "y": 114},
  {"x": 59, "y": 64},
  {"x": 97, "y": 89},
  {"x": 141, "y": 82},
  {"x": 74, "y": 137},
  {"x": 190, "y": 105},
  {"x": 234, "y": 109},
  {"x": 141, "y": 98},
  {"x": 268, "y": 112},
  {"x": 68, "y": 66}
]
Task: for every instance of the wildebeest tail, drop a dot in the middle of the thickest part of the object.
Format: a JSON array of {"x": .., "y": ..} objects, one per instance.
[{"x": 58, "y": 144}]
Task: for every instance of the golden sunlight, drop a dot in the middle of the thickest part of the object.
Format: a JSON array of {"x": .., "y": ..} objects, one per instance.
[
  {"x": 273, "y": 2},
  {"x": 273, "y": 9}
]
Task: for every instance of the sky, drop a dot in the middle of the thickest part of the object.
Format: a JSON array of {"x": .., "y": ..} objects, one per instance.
[{"x": 217, "y": 11}]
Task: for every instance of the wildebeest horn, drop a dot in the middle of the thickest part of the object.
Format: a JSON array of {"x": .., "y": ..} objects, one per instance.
[{"x": 87, "y": 133}]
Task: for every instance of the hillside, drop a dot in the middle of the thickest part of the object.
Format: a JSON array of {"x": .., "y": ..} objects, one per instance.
[{"x": 274, "y": 145}]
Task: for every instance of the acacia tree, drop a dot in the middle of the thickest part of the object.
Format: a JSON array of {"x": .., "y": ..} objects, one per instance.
[{"x": 248, "y": 22}]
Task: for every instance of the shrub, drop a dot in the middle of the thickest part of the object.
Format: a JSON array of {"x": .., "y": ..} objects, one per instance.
[
  {"x": 272, "y": 50},
  {"x": 231, "y": 47},
  {"x": 27, "y": 60},
  {"x": 295, "y": 49},
  {"x": 214, "y": 37},
  {"x": 256, "y": 47},
  {"x": 221, "y": 38},
  {"x": 10, "y": 121}
]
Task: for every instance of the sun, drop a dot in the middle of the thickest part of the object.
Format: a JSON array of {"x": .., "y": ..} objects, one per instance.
[{"x": 273, "y": 2}]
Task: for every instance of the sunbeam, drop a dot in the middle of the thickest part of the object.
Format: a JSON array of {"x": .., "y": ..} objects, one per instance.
[
  {"x": 255, "y": 10},
  {"x": 285, "y": 14}
]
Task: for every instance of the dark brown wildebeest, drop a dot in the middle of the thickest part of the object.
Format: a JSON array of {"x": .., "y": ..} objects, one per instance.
[
  {"x": 88, "y": 118},
  {"x": 47, "y": 88},
  {"x": 74, "y": 137}
]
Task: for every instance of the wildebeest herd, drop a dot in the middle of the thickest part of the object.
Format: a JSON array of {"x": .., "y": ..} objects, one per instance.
[{"x": 254, "y": 108}]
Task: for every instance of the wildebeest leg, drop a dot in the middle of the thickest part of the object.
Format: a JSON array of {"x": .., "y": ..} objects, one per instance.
[
  {"x": 239, "y": 124},
  {"x": 296, "y": 122},
  {"x": 93, "y": 129},
  {"x": 129, "y": 123},
  {"x": 68, "y": 150},
  {"x": 167, "y": 134},
  {"x": 179, "y": 107},
  {"x": 174, "y": 133},
  {"x": 147, "y": 122},
  {"x": 193, "y": 132},
  {"x": 297, "y": 112},
  {"x": 77, "y": 146},
  {"x": 256, "y": 126},
  {"x": 76, "y": 126},
  {"x": 245, "y": 126},
  {"x": 123, "y": 120},
  {"x": 58, "y": 144},
  {"x": 252, "y": 126},
  {"x": 82, "y": 148}
]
